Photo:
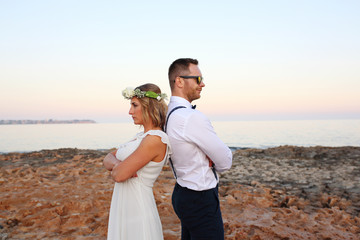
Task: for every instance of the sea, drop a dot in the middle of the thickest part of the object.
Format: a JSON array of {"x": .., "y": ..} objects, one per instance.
[{"x": 236, "y": 134}]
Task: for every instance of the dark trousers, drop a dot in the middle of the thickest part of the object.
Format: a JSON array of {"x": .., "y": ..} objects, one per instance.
[{"x": 199, "y": 213}]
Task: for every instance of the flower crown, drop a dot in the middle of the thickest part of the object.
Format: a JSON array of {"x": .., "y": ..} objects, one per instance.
[{"x": 129, "y": 93}]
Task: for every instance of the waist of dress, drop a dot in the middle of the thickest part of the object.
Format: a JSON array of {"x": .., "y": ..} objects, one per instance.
[{"x": 138, "y": 181}]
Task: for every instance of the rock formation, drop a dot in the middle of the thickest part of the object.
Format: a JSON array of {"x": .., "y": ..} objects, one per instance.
[{"x": 277, "y": 193}]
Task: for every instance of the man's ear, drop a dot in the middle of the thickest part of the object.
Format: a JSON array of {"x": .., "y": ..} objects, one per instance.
[{"x": 179, "y": 82}]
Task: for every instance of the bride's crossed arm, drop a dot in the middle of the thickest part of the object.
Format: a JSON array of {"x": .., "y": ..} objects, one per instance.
[
  {"x": 151, "y": 148},
  {"x": 110, "y": 160}
]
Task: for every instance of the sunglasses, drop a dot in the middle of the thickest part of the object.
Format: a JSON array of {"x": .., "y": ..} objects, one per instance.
[{"x": 199, "y": 79}]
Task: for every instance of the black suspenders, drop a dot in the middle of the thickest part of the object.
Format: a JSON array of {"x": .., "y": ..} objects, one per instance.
[
  {"x": 171, "y": 163},
  {"x": 167, "y": 120}
]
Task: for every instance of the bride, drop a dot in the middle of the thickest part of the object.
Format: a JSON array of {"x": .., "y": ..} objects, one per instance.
[{"x": 135, "y": 166}]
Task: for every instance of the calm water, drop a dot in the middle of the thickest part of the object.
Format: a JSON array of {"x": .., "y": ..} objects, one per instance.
[{"x": 257, "y": 134}]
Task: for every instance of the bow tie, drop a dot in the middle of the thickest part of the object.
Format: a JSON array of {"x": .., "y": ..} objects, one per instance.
[{"x": 193, "y": 106}]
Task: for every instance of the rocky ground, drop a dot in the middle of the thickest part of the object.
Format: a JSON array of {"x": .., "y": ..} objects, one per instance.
[{"x": 278, "y": 193}]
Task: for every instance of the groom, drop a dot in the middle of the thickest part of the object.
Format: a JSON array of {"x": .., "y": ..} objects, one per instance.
[{"x": 197, "y": 153}]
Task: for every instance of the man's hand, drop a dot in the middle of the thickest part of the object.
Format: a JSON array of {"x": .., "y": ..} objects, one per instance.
[{"x": 211, "y": 163}]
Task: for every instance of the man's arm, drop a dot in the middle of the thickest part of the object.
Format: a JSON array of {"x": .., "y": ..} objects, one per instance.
[{"x": 200, "y": 131}]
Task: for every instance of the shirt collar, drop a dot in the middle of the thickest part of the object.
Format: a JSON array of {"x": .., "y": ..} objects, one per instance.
[{"x": 180, "y": 101}]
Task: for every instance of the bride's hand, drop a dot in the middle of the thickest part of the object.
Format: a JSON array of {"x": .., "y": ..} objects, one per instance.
[{"x": 110, "y": 160}]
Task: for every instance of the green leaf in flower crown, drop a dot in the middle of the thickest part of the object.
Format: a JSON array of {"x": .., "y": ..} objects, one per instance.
[{"x": 151, "y": 94}]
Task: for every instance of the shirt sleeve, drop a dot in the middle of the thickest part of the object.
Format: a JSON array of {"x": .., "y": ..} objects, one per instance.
[{"x": 200, "y": 131}]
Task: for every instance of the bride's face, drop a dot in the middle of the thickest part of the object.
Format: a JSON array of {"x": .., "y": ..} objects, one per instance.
[{"x": 136, "y": 111}]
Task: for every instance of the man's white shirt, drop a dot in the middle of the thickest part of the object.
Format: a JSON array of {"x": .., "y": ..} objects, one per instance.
[{"x": 193, "y": 141}]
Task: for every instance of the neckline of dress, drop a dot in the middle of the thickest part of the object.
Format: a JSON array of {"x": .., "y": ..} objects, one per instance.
[{"x": 152, "y": 130}]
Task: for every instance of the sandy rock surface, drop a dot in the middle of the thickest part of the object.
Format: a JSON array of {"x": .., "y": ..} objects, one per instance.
[{"x": 278, "y": 193}]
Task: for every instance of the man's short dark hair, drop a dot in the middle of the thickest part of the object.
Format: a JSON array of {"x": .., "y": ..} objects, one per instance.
[{"x": 180, "y": 67}]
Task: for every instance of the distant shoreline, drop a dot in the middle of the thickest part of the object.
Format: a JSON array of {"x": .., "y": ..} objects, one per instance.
[{"x": 47, "y": 121}]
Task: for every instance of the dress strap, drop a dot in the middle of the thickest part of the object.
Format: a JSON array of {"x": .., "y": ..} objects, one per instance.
[{"x": 159, "y": 133}]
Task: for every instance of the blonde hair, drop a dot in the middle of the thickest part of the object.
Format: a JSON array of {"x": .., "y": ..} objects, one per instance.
[{"x": 152, "y": 109}]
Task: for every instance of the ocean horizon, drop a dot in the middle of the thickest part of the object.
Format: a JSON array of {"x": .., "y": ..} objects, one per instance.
[{"x": 236, "y": 134}]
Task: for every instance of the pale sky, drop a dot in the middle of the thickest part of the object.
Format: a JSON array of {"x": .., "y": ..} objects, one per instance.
[{"x": 261, "y": 60}]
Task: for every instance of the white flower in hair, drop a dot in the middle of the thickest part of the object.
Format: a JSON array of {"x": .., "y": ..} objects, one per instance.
[
  {"x": 128, "y": 93},
  {"x": 163, "y": 96}
]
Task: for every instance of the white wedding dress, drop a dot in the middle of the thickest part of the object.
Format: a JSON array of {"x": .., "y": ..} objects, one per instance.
[{"x": 133, "y": 212}]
